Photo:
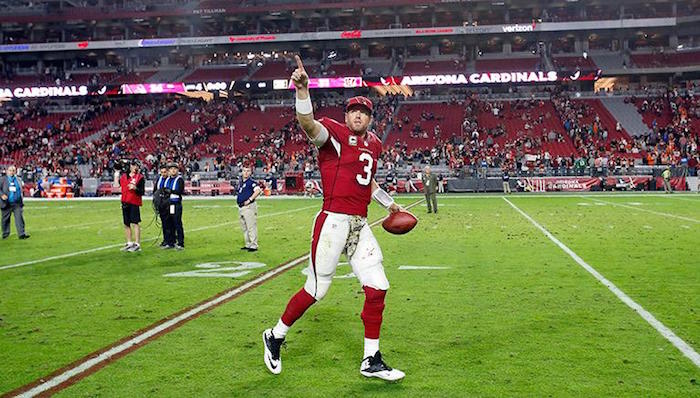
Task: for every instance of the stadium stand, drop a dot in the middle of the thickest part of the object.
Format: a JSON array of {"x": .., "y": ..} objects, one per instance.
[
  {"x": 507, "y": 64},
  {"x": 272, "y": 70},
  {"x": 657, "y": 60},
  {"x": 454, "y": 126},
  {"x": 214, "y": 74}
]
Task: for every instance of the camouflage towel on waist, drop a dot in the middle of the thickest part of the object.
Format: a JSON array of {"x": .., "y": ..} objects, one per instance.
[{"x": 356, "y": 224}]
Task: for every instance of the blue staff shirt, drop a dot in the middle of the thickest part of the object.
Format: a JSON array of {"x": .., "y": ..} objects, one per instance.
[{"x": 245, "y": 191}]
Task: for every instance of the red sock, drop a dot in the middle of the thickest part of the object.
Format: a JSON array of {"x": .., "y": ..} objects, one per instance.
[
  {"x": 372, "y": 312},
  {"x": 296, "y": 307}
]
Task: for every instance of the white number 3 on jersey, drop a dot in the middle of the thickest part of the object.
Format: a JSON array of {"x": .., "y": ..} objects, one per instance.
[{"x": 365, "y": 179}]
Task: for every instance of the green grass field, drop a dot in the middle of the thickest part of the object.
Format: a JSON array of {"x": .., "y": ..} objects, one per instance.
[{"x": 511, "y": 314}]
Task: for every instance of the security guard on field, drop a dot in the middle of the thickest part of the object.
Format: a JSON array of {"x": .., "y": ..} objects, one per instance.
[
  {"x": 163, "y": 209},
  {"x": 174, "y": 187},
  {"x": 248, "y": 191}
]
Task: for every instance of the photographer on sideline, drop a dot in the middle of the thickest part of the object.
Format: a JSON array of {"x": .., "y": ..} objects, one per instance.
[
  {"x": 133, "y": 185},
  {"x": 174, "y": 187}
]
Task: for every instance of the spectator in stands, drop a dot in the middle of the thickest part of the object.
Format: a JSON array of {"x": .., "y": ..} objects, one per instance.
[
  {"x": 430, "y": 183},
  {"x": 12, "y": 203},
  {"x": 133, "y": 186}
]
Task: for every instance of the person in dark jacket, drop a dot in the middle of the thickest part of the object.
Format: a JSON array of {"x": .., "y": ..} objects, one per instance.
[
  {"x": 163, "y": 208},
  {"x": 12, "y": 203},
  {"x": 175, "y": 187}
]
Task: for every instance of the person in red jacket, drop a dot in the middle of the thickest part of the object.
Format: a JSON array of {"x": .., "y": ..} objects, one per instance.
[{"x": 133, "y": 186}]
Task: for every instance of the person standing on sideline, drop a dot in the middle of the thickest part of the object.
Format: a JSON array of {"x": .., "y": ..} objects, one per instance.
[
  {"x": 174, "y": 188},
  {"x": 666, "y": 174},
  {"x": 430, "y": 189},
  {"x": 248, "y": 191},
  {"x": 163, "y": 209},
  {"x": 347, "y": 158},
  {"x": 12, "y": 203},
  {"x": 133, "y": 185},
  {"x": 506, "y": 181}
]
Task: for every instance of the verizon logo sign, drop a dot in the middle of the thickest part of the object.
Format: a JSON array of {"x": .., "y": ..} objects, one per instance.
[{"x": 518, "y": 28}]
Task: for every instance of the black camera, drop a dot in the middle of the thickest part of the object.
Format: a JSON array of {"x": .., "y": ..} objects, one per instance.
[{"x": 122, "y": 165}]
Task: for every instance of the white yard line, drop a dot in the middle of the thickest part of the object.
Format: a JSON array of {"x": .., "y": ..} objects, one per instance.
[
  {"x": 84, "y": 366},
  {"x": 96, "y": 249},
  {"x": 87, "y": 365},
  {"x": 637, "y": 208},
  {"x": 420, "y": 267},
  {"x": 667, "y": 333},
  {"x": 72, "y": 225}
]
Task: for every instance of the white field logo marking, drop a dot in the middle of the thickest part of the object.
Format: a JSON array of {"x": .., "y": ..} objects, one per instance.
[{"x": 214, "y": 270}]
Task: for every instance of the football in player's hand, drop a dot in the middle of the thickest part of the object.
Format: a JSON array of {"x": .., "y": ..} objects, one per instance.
[{"x": 400, "y": 222}]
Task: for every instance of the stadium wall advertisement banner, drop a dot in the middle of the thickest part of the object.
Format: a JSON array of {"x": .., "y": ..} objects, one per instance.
[
  {"x": 580, "y": 184},
  {"x": 506, "y": 29},
  {"x": 440, "y": 80},
  {"x": 677, "y": 183},
  {"x": 286, "y": 84},
  {"x": 43, "y": 92},
  {"x": 694, "y": 184}
]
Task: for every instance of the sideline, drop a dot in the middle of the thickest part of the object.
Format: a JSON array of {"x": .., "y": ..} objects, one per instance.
[
  {"x": 535, "y": 195},
  {"x": 96, "y": 249},
  {"x": 412, "y": 195}
]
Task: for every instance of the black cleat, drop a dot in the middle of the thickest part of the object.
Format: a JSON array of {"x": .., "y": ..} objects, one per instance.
[
  {"x": 272, "y": 352},
  {"x": 375, "y": 367}
]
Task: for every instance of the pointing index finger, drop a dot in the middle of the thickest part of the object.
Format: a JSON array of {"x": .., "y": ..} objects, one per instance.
[{"x": 300, "y": 65}]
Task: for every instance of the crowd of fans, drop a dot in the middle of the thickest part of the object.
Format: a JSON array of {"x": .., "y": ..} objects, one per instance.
[
  {"x": 474, "y": 148},
  {"x": 595, "y": 150}
]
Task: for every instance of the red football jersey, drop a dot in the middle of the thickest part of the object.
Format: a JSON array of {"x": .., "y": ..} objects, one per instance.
[{"x": 348, "y": 163}]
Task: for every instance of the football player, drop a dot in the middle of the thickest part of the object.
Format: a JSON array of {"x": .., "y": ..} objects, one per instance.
[{"x": 347, "y": 158}]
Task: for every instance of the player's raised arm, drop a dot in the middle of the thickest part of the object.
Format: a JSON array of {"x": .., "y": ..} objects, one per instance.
[{"x": 304, "y": 109}]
